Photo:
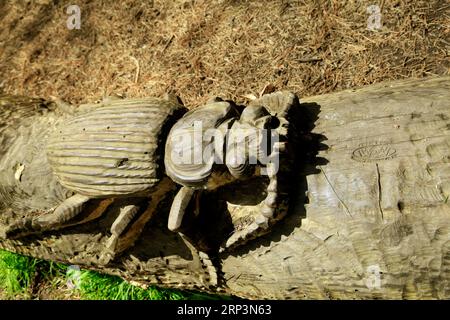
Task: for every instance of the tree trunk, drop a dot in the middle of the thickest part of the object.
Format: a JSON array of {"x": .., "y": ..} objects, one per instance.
[{"x": 369, "y": 214}]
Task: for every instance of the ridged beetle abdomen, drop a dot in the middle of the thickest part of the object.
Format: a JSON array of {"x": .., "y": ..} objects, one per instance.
[{"x": 114, "y": 150}]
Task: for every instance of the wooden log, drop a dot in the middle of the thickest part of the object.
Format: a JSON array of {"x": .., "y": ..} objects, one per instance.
[
  {"x": 369, "y": 214},
  {"x": 378, "y": 205}
]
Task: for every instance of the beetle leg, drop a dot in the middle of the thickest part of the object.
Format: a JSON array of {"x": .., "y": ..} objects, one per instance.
[
  {"x": 63, "y": 213},
  {"x": 124, "y": 219},
  {"x": 275, "y": 205},
  {"x": 129, "y": 224},
  {"x": 264, "y": 217},
  {"x": 127, "y": 214},
  {"x": 272, "y": 208},
  {"x": 178, "y": 209}
]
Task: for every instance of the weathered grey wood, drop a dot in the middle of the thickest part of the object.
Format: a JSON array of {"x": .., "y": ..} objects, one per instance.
[
  {"x": 374, "y": 197},
  {"x": 381, "y": 201}
]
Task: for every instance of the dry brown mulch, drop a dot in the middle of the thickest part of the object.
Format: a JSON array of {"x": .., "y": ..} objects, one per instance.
[{"x": 229, "y": 48}]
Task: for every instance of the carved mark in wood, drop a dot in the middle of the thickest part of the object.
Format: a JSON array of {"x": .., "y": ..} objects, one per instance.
[{"x": 374, "y": 152}]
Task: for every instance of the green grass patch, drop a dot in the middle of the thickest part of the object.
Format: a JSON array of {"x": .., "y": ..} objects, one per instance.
[
  {"x": 16, "y": 273},
  {"x": 97, "y": 286},
  {"x": 20, "y": 274}
]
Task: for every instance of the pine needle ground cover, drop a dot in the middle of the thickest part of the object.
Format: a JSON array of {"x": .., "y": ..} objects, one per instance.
[{"x": 202, "y": 48}]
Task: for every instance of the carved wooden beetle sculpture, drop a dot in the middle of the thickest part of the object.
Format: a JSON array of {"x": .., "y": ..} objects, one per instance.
[
  {"x": 116, "y": 150},
  {"x": 259, "y": 152}
]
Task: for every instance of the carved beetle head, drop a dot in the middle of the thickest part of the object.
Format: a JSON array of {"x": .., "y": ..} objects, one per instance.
[
  {"x": 249, "y": 141},
  {"x": 194, "y": 148},
  {"x": 212, "y": 146}
]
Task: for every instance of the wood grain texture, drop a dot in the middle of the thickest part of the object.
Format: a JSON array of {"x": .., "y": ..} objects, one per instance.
[
  {"x": 371, "y": 196},
  {"x": 380, "y": 203}
]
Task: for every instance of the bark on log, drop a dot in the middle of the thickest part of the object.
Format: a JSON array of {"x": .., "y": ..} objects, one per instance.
[{"x": 369, "y": 216}]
